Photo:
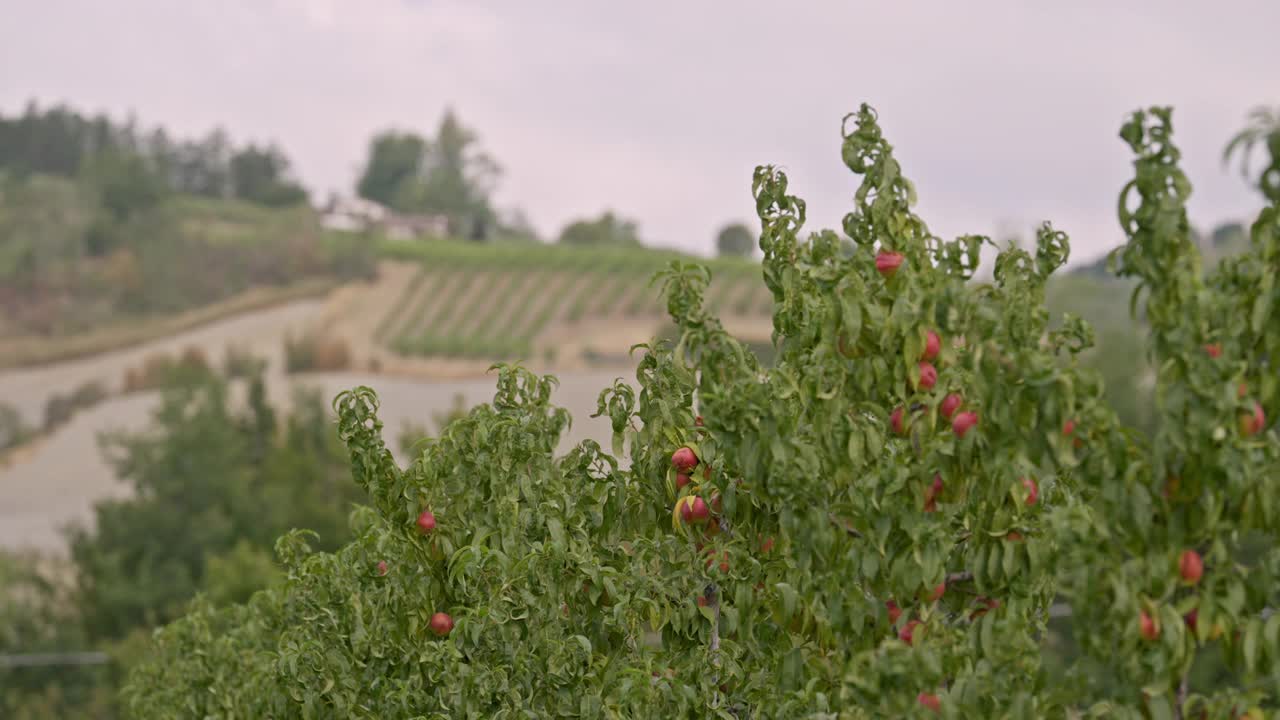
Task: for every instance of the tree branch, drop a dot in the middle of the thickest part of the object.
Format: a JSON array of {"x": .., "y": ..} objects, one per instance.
[
  {"x": 713, "y": 602},
  {"x": 1182, "y": 698}
]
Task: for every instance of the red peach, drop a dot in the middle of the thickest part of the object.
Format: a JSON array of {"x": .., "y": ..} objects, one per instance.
[
  {"x": 932, "y": 345},
  {"x": 1147, "y": 627},
  {"x": 684, "y": 459},
  {"x": 897, "y": 420},
  {"x": 963, "y": 422},
  {"x": 928, "y": 375},
  {"x": 907, "y": 633},
  {"x": 1190, "y": 567},
  {"x": 1033, "y": 490},
  {"x": 441, "y": 624},
  {"x": 426, "y": 522},
  {"x": 950, "y": 404},
  {"x": 887, "y": 263},
  {"x": 895, "y": 612}
]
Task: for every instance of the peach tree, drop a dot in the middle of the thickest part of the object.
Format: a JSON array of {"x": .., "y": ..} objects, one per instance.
[{"x": 876, "y": 526}]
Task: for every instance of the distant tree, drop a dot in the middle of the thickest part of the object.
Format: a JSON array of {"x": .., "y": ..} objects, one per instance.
[
  {"x": 259, "y": 175},
  {"x": 514, "y": 224},
  {"x": 126, "y": 182},
  {"x": 735, "y": 239},
  {"x": 446, "y": 175},
  {"x": 1230, "y": 235},
  {"x": 458, "y": 177},
  {"x": 205, "y": 479},
  {"x": 395, "y": 159},
  {"x": 608, "y": 229},
  {"x": 201, "y": 167}
]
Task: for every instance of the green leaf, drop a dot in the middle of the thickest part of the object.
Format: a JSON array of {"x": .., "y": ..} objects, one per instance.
[
  {"x": 790, "y": 599},
  {"x": 1010, "y": 564},
  {"x": 556, "y": 529},
  {"x": 1160, "y": 708},
  {"x": 1250, "y": 647}
]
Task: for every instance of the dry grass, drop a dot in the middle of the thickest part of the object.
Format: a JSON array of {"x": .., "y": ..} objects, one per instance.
[
  {"x": 316, "y": 353},
  {"x": 157, "y": 368}
]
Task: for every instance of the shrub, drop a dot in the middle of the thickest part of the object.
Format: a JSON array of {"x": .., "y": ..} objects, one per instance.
[
  {"x": 313, "y": 352},
  {"x": 150, "y": 375},
  {"x": 193, "y": 358},
  {"x": 161, "y": 369},
  {"x": 13, "y": 431},
  {"x": 241, "y": 363},
  {"x": 88, "y": 394},
  {"x": 57, "y": 411}
]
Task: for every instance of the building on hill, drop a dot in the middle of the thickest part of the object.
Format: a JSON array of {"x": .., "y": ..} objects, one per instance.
[
  {"x": 351, "y": 214},
  {"x": 362, "y": 215},
  {"x": 410, "y": 227}
]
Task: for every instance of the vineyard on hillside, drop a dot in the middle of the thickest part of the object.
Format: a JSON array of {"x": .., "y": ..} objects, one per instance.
[{"x": 517, "y": 302}]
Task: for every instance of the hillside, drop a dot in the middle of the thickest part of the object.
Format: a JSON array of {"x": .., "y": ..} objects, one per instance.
[
  {"x": 76, "y": 280},
  {"x": 445, "y": 301}
]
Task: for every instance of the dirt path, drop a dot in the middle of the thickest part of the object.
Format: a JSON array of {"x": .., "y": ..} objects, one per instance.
[
  {"x": 33, "y": 352},
  {"x": 261, "y": 332}
]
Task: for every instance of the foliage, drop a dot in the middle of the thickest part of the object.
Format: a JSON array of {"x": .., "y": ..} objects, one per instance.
[
  {"x": 205, "y": 478},
  {"x": 413, "y": 435},
  {"x": 68, "y": 265},
  {"x": 1205, "y": 481},
  {"x": 864, "y": 557},
  {"x": 60, "y": 408},
  {"x": 1263, "y": 130},
  {"x": 101, "y": 222},
  {"x": 213, "y": 486},
  {"x": 133, "y": 168},
  {"x": 605, "y": 231},
  {"x": 159, "y": 369},
  {"x": 126, "y": 186},
  {"x": 444, "y": 175},
  {"x": 735, "y": 239},
  {"x": 233, "y": 577},
  {"x": 37, "y": 615},
  {"x": 315, "y": 352},
  {"x": 13, "y": 431},
  {"x": 259, "y": 175},
  {"x": 395, "y": 161},
  {"x": 239, "y": 362}
]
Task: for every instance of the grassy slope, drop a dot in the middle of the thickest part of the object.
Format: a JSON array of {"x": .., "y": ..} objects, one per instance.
[{"x": 186, "y": 262}]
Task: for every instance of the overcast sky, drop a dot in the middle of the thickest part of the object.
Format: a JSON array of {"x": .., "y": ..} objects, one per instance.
[{"x": 1004, "y": 113}]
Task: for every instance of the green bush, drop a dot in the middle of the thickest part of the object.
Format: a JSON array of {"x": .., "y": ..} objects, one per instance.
[
  {"x": 835, "y": 536},
  {"x": 13, "y": 431}
]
